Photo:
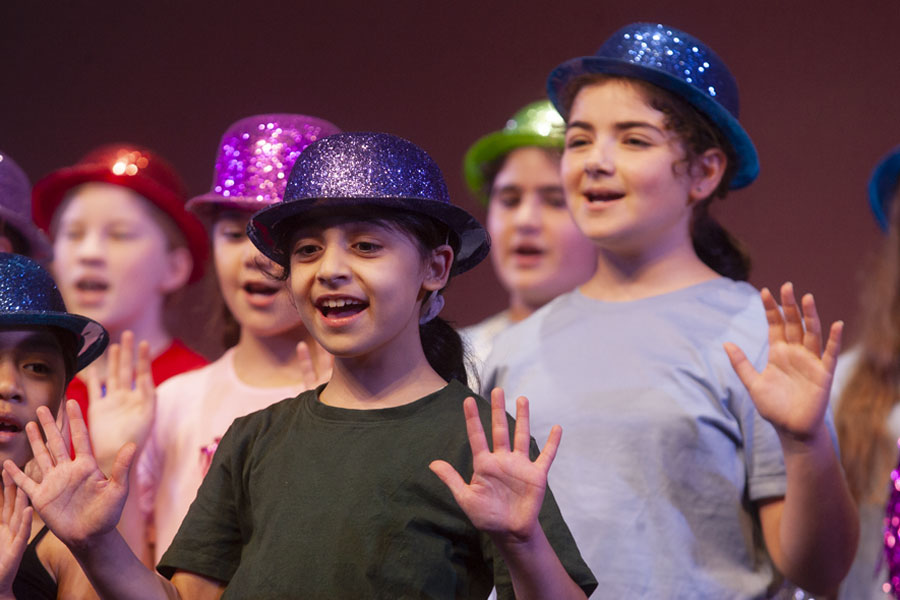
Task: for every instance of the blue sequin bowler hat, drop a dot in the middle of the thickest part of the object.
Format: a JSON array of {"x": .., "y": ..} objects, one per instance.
[
  {"x": 366, "y": 169},
  {"x": 28, "y": 296},
  {"x": 675, "y": 61},
  {"x": 883, "y": 185}
]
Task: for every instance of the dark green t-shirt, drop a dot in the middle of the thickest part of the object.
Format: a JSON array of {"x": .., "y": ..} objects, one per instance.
[{"x": 305, "y": 500}]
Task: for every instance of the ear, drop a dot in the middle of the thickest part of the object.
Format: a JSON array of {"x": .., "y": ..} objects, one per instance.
[
  {"x": 179, "y": 265},
  {"x": 5, "y": 244},
  {"x": 706, "y": 173},
  {"x": 437, "y": 269}
]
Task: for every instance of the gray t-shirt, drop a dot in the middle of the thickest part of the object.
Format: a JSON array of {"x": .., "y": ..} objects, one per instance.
[{"x": 663, "y": 453}]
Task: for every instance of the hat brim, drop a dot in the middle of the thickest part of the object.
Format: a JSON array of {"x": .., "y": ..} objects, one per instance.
[
  {"x": 206, "y": 203},
  {"x": 493, "y": 146},
  {"x": 92, "y": 335},
  {"x": 748, "y": 159},
  {"x": 267, "y": 228},
  {"x": 39, "y": 247},
  {"x": 49, "y": 192},
  {"x": 882, "y": 186}
]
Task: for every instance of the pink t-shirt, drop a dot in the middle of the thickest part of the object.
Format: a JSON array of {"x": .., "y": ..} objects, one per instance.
[{"x": 193, "y": 411}]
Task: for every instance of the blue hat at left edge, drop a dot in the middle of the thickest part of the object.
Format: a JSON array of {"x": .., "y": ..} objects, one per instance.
[
  {"x": 882, "y": 186},
  {"x": 29, "y": 297},
  {"x": 675, "y": 61}
]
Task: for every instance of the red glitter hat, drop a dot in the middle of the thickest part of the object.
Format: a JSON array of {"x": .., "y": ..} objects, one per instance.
[{"x": 133, "y": 167}]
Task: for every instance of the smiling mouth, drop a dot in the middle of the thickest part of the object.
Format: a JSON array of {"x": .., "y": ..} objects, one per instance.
[
  {"x": 338, "y": 308},
  {"x": 603, "y": 196}
]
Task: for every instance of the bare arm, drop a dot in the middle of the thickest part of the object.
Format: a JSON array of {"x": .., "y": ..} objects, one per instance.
[
  {"x": 505, "y": 496},
  {"x": 812, "y": 532},
  {"x": 82, "y": 506}
]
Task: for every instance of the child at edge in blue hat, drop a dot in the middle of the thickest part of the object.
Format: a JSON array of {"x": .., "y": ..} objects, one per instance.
[
  {"x": 713, "y": 470},
  {"x": 42, "y": 346},
  {"x": 356, "y": 489},
  {"x": 866, "y": 400}
]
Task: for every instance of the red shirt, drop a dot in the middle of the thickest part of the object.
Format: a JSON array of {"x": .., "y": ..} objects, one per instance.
[{"x": 177, "y": 358}]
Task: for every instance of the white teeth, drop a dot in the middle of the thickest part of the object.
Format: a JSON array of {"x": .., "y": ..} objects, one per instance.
[{"x": 337, "y": 303}]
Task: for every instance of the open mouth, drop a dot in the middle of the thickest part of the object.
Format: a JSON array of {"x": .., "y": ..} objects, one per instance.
[
  {"x": 603, "y": 196},
  {"x": 527, "y": 250},
  {"x": 338, "y": 308},
  {"x": 262, "y": 289},
  {"x": 91, "y": 285},
  {"x": 8, "y": 425}
]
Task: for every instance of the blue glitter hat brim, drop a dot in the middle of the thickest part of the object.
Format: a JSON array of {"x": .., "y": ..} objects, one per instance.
[
  {"x": 92, "y": 336},
  {"x": 493, "y": 146},
  {"x": 268, "y": 228},
  {"x": 882, "y": 187},
  {"x": 748, "y": 159}
]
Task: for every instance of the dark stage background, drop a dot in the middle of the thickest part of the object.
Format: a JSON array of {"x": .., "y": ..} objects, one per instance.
[{"x": 820, "y": 85}]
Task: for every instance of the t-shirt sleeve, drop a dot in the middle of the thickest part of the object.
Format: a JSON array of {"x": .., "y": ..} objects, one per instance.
[
  {"x": 210, "y": 539},
  {"x": 561, "y": 541}
]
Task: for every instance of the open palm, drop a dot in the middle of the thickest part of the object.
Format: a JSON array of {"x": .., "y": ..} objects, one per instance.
[
  {"x": 15, "y": 527},
  {"x": 792, "y": 390},
  {"x": 507, "y": 488},
  {"x": 74, "y": 498}
]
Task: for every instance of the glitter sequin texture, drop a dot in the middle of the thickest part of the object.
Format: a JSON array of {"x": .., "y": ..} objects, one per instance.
[
  {"x": 257, "y": 153},
  {"x": 679, "y": 54},
  {"x": 367, "y": 165},
  {"x": 29, "y": 296},
  {"x": 892, "y": 536}
]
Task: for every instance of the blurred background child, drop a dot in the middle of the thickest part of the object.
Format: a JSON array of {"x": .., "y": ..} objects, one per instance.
[
  {"x": 18, "y": 233},
  {"x": 537, "y": 251},
  {"x": 123, "y": 244},
  {"x": 866, "y": 391}
]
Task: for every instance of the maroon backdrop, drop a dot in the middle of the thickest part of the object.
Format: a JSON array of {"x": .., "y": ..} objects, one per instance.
[{"x": 820, "y": 85}]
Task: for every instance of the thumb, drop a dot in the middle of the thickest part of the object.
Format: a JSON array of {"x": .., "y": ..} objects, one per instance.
[
  {"x": 122, "y": 464},
  {"x": 449, "y": 476},
  {"x": 740, "y": 364}
]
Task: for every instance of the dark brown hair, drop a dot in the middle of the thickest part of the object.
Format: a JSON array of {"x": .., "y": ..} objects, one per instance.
[{"x": 714, "y": 245}]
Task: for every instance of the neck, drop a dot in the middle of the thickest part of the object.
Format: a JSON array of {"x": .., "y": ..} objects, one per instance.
[
  {"x": 622, "y": 277},
  {"x": 149, "y": 328},
  {"x": 384, "y": 377},
  {"x": 520, "y": 308},
  {"x": 272, "y": 361}
]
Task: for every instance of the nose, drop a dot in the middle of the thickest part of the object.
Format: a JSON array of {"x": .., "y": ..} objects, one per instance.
[
  {"x": 528, "y": 212},
  {"x": 599, "y": 161},
  {"x": 10, "y": 390},
  {"x": 91, "y": 247},
  {"x": 333, "y": 267}
]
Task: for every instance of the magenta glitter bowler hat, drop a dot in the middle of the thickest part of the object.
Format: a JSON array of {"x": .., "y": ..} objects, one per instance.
[
  {"x": 15, "y": 209},
  {"x": 255, "y": 158},
  {"x": 362, "y": 169},
  {"x": 133, "y": 167}
]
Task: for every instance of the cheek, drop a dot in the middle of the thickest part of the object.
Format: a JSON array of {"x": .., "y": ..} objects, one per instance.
[
  {"x": 227, "y": 263},
  {"x": 498, "y": 222}
]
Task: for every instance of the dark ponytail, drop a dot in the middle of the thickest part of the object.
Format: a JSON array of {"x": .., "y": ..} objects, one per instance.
[
  {"x": 716, "y": 247},
  {"x": 444, "y": 349}
]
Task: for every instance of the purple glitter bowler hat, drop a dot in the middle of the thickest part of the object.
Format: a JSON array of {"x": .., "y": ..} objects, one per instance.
[
  {"x": 15, "y": 209},
  {"x": 677, "y": 62},
  {"x": 255, "y": 158},
  {"x": 367, "y": 169}
]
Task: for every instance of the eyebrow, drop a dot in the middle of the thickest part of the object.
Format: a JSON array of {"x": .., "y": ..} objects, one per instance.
[{"x": 621, "y": 126}]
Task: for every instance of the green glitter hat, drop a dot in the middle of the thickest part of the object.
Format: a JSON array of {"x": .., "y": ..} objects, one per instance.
[{"x": 538, "y": 124}]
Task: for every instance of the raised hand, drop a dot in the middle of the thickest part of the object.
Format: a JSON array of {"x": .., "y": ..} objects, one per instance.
[
  {"x": 74, "y": 498},
  {"x": 122, "y": 412},
  {"x": 15, "y": 529},
  {"x": 313, "y": 377},
  {"x": 507, "y": 488},
  {"x": 792, "y": 390}
]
